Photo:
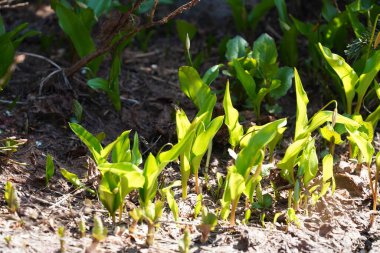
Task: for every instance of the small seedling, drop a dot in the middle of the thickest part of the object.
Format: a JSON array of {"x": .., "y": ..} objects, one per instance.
[
  {"x": 198, "y": 205},
  {"x": 99, "y": 233},
  {"x": 11, "y": 198},
  {"x": 209, "y": 222},
  {"x": 184, "y": 244},
  {"x": 151, "y": 215},
  {"x": 61, "y": 235},
  {"x": 8, "y": 240},
  {"x": 49, "y": 170},
  {"x": 82, "y": 227},
  {"x": 136, "y": 215}
]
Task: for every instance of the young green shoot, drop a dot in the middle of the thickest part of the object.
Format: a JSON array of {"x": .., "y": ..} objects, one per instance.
[
  {"x": 184, "y": 243},
  {"x": 61, "y": 234},
  {"x": 49, "y": 170},
  {"x": 10, "y": 195},
  {"x": 99, "y": 233},
  {"x": 209, "y": 222}
]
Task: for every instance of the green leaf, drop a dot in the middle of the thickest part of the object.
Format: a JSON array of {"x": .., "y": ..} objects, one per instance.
[
  {"x": 121, "y": 168},
  {"x": 211, "y": 74},
  {"x": 371, "y": 69},
  {"x": 185, "y": 28},
  {"x": 285, "y": 75},
  {"x": 329, "y": 134},
  {"x": 182, "y": 123},
  {"x": 302, "y": 101},
  {"x": 231, "y": 119},
  {"x": 79, "y": 34},
  {"x": 328, "y": 173},
  {"x": 245, "y": 158},
  {"x": 374, "y": 117},
  {"x": 328, "y": 10},
  {"x": 10, "y": 196},
  {"x": 169, "y": 194},
  {"x": 346, "y": 74},
  {"x": 109, "y": 192},
  {"x": 98, "y": 83},
  {"x": 151, "y": 172},
  {"x": 246, "y": 80},
  {"x": 258, "y": 12},
  {"x": 363, "y": 143},
  {"x": 7, "y": 55},
  {"x": 136, "y": 154},
  {"x": 199, "y": 92},
  {"x": 202, "y": 140},
  {"x": 49, "y": 172},
  {"x": 235, "y": 185},
  {"x": 72, "y": 178},
  {"x": 265, "y": 52},
  {"x": 99, "y": 7},
  {"x": 308, "y": 165},
  {"x": 289, "y": 160},
  {"x": 78, "y": 110},
  {"x": 236, "y": 48},
  {"x": 198, "y": 205},
  {"x": 120, "y": 149}
]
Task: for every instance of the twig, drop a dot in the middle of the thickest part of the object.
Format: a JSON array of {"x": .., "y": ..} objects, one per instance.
[
  {"x": 122, "y": 22},
  {"x": 44, "y": 80}
]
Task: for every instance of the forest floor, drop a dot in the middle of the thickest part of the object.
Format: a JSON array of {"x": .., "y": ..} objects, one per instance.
[{"x": 149, "y": 91}]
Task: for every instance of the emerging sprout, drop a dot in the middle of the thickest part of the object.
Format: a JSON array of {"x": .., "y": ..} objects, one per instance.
[{"x": 11, "y": 198}]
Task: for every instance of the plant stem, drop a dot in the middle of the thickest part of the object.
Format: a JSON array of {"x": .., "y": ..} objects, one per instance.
[
  {"x": 235, "y": 202},
  {"x": 150, "y": 234}
]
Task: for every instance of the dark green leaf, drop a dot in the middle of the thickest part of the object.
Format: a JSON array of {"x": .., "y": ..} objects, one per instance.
[{"x": 236, "y": 48}]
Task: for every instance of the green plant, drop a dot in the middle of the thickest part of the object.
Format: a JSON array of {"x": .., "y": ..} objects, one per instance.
[
  {"x": 151, "y": 215},
  {"x": 169, "y": 195},
  {"x": 78, "y": 112},
  {"x": 186, "y": 32},
  {"x": 10, "y": 145},
  {"x": 245, "y": 19},
  {"x": 203, "y": 98},
  {"x": 353, "y": 84},
  {"x": 61, "y": 234},
  {"x": 302, "y": 152},
  {"x": 257, "y": 71},
  {"x": 75, "y": 181},
  {"x": 184, "y": 244},
  {"x": 49, "y": 168},
  {"x": 99, "y": 233},
  {"x": 8, "y": 240},
  {"x": 10, "y": 195},
  {"x": 82, "y": 227},
  {"x": 78, "y": 20},
  {"x": 9, "y": 42},
  {"x": 209, "y": 222}
]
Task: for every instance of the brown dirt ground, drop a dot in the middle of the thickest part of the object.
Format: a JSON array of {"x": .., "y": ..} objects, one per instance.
[{"x": 149, "y": 91}]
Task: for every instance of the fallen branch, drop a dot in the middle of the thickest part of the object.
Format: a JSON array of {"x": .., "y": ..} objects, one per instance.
[{"x": 123, "y": 22}]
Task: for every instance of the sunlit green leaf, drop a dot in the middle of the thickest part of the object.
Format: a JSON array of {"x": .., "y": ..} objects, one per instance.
[
  {"x": 302, "y": 101},
  {"x": 49, "y": 168},
  {"x": 236, "y": 48}
]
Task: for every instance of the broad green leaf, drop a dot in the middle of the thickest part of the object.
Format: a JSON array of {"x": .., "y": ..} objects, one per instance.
[
  {"x": 308, "y": 164},
  {"x": 285, "y": 75},
  {"x": 119, "y": 168},
  {"x": 329, "y": 134},
  {"x": 265, "y": 53},
  {"x": 130, "y": 181},
  {"x": 328, "y": 10},
  {"x": 49, "y": 170},
  {"x": 246, "y": 80},
  {"x": 346, "y": 74},
  {"x": 290, "y": 158},
  {"x": 109, "y": 192},
  {"x": 136, "y": 154},
  {"x": 151, "y": 172},
  {"x": 182, "y": 123},
  {"x": 121, "y": 149},
  {"x": 201, "y": 141},
  {"x": 363, "y": 144},
  {"x": 211, "y": 74},
  {"x": 79, "y": 34},
  {"x": 371, "y": 69},
  {"x": 322, "y": 117},
  {"x": 231, "y": 119},
  {"x": 250, "y": 187},
  {"x": 72, "y": 178},
  {"x": 302, "y": 101},
  {"x": 236, "y": 48},
  {"x": 282, "y": 11},
  {"x": 7, "y": 55},
  {"x": 198, "y": 205},
  {"x": 245, "y": 158},
  {"x": 89, "y": 140},
  {"x": 235, "y": 186},
  {"x": 185, "y": 28},
  {"x": 357, "y": 26},
  {"x": 199, "y": 92},
  {"x": 328, "y": 173},
  {"x": 98, "y": 83},
  {"x": 123, "y": 138}
]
